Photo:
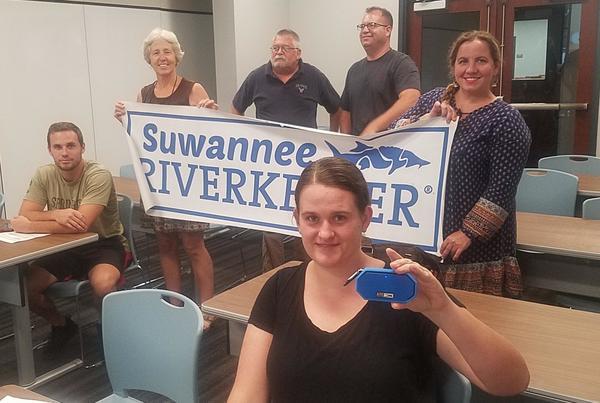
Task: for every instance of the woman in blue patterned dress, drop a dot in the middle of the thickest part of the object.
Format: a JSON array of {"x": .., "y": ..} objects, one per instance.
[{"x": 487, "y": 158}]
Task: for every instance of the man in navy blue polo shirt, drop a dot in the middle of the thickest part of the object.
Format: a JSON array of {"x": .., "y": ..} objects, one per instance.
[{"x": 286, "y": 90}]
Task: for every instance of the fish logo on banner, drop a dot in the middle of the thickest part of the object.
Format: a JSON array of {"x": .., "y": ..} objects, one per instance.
[{"x": 382, "y": 157}]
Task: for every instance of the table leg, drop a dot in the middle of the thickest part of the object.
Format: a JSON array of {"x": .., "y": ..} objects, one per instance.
[
  {"x": 21, "y": 323},
  {"x": 23, "y": 346},
  {"x": 14, "y": 292}
]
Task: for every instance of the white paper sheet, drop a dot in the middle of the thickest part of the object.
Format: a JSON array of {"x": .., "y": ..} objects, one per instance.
[
  {"x": 12, "y": 237},
  {"x": 10, "y": 399}
]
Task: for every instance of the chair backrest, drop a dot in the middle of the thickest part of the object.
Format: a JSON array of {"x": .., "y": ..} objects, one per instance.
[
  {"x": 591, "y": 209},
  {"x": 451, "y": 385},
  {"x": 150, "y": 344},
  {"x": 573, "y": 164},
  {"x": 126, "y": 171},
  {"x": 547, "y": 191},
  {"x": 125, "y": 216}
]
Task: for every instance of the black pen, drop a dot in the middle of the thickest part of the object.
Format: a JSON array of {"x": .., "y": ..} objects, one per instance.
[{"x": 352, "y": 277}]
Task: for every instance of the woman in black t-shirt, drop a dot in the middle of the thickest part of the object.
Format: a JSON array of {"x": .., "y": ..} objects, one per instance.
[{"x": 310, "y": 338}]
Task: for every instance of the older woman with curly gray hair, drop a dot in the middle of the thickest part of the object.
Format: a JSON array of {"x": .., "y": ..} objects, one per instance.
[{"x": 163, "y": 53}]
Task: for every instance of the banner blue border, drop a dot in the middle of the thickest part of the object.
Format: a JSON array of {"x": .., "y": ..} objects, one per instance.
[{"x": 445, "y": 131}]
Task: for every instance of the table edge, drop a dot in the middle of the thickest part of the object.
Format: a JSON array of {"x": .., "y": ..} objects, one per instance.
[{"x": 92, "y": 237}]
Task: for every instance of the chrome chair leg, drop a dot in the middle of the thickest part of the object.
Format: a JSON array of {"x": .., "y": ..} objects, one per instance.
[{"x": 11, "y": 335}]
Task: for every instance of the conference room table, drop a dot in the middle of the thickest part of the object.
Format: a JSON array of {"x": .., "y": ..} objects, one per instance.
[
  {"x": 559, "y": 253},
  {"x": 128, "y": 187},
  {"x": 559, "y": 235},
  {"x": 564, "y": 236},
  {"x": 561, "y": 346},
  {"x": 14, "y": 259},
  {"x": 541, "y": 234},
  {"x": 589, "y": 185}
]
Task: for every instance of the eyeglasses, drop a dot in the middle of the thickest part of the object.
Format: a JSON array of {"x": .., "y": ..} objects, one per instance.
[
  {"x": 284, "y": 49},
  {"x": 370, "y": 26}
]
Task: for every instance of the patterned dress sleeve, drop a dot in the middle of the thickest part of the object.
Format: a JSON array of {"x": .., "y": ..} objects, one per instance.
[
  {"x": 423, "y": 106},
  {"x": 508, "y": 155}
]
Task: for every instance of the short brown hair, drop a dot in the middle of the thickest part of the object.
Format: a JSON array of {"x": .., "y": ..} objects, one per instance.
[
  {"x": 384, "y": 12},
  {"x": 63, "y": 127},
  {"x": 338, "y": 173}
]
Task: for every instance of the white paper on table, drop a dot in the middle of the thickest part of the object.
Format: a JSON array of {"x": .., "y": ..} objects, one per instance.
[
  {"x": 11, "y": 399},
  {"x": 12, "y": 237}
]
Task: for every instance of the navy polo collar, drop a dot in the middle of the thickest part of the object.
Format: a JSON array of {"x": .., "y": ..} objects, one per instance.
[{"x": 269, "y": 70}]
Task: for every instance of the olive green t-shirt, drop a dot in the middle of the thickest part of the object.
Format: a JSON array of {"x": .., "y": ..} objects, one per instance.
[{"x": 95, "y": 186}]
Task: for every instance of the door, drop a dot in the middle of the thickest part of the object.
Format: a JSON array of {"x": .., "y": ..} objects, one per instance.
[
  {"x": 430, "y": 35},
  {"x": 547, "y": 67}
]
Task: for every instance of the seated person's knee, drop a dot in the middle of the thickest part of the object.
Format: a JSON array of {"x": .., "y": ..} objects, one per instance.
[{"x": 104, "y": 279}]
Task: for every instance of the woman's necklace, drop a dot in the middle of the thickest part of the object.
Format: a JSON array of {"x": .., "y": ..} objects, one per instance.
[
  {"x": 174, "y": 85},
  {"x": 172, "y": 89},
  {"x": 473, "y": 108}
]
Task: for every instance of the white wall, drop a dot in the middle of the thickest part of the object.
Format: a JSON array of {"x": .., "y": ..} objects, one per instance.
[
  {"x": 116, "y": 72},
  {"x": 187, "y": 5},
  {"x": 243, "y": 34},
  {"x": 329, "y": 36},
  {"x": 225, "y": 51},
  {"x": 45, "y": 80},
  {"x": 195, "y": 33},
  {"x": 72, "y": 62},
  {"x": 244, "y": 30}
]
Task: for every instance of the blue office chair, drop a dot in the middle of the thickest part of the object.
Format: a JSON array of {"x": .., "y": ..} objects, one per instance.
[
  {"x": 543, "y": 191},
  {"x": 547, "y": 191},
  {"x": 74, "y": 288},
  {"x": 125, "y": 216},
  {"x": 573, "y": 164},
  {"x": 126, "y": 171},
  {"x": 451, "y": 385},
  {"x": 151, "y": 345},
  {"x": 591, "y": 209}
]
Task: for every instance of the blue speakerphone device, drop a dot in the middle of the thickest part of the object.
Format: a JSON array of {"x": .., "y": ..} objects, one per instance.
[{"x": 382, "y": 284}]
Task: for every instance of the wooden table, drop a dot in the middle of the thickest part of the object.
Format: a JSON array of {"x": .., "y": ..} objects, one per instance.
[
  {"x": 559, "y": 235},
  {"x": 566, "y": 236},
  {"x": 236, "y": 303},
  {"x": 589, "y": 185},
  {"x": 561, "y": 346},
  {"x": 128, "y": 187},
  {"x": 22, "y": 393},
  {"x": 14, "y": 259},
  {"x": 559, "y": 253}
]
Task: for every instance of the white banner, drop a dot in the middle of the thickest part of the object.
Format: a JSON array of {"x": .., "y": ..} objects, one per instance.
[{"x": 203, "y": 165}]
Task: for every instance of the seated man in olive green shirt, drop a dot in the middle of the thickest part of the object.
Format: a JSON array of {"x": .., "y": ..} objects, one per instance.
[{"x": 72, "y": 195}]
